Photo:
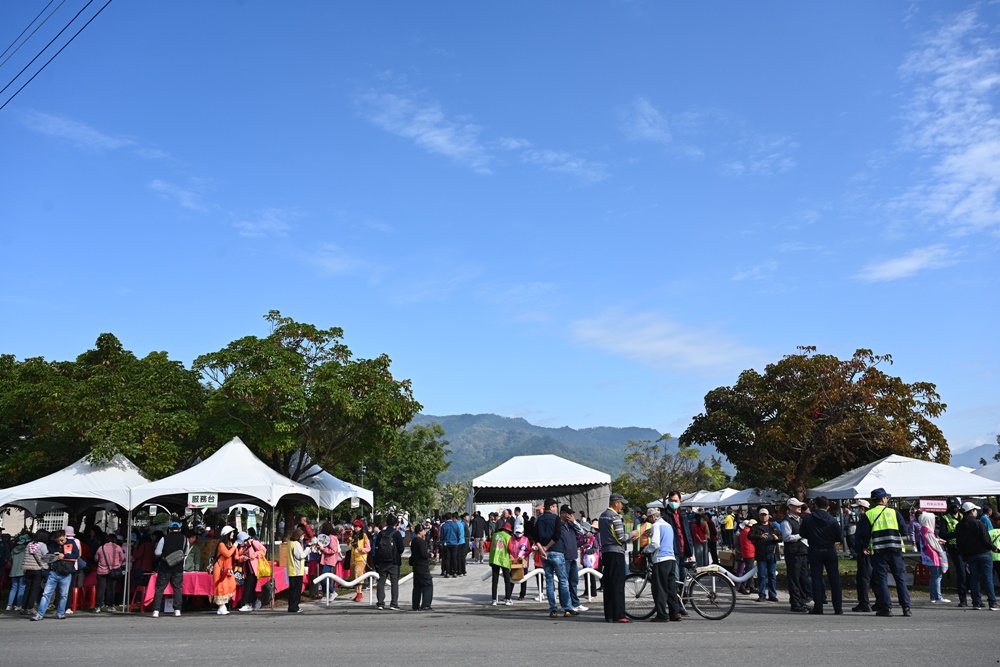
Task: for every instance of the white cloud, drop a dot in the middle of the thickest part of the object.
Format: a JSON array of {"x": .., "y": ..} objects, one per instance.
[
  {"x": 269, "y": 222},
  {"x": 183, "y": 197},
  {"x": 151, "y": 153},
  {"x": 952, "y": 119},
  {"x": 335, "y": 260},
  {"x": 79, "y": 134},
  {"x": 652, "y": 340},
  {"x": 566, "y": 163},
  {"x": 758, "y": 272},
  {"x": 761, "y": 155},
  {"x": 428, "y": 127},
  {"x": 644, "y": 122},
  {"x": 920, "y": 259}
]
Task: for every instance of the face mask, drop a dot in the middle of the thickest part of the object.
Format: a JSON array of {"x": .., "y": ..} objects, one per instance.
[{"x": 673, "y": 505}]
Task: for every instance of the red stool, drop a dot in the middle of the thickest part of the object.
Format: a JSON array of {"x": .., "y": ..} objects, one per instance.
[
  {"x": 921, "y": 575},
  {"x": 138, "y": 599},
  {"x": 74, "y": 598}
]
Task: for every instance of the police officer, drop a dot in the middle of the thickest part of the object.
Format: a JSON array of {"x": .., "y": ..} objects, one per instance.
[
  {"x": 956, "y": 563},
  {"x": 880, "y": 533}
]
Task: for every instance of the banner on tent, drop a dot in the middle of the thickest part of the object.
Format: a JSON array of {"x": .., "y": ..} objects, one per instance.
[
  {"x": 355, "y": 502},
  {"x": 202, "y": 501},
  {"x": 929, "y": 505}
]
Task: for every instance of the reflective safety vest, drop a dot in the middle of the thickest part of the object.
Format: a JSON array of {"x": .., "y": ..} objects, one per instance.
[
  {"x": 885, "y": 529},
  {"x": 951, "y": 523},
  {"x": 995, "y": 538}
]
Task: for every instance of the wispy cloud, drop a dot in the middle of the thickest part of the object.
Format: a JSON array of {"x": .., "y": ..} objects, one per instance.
[
  {"x": 334, "y": 260},
  {"x": 952, "y": 119},
  {"x": 269, "y": 222},
  {"x": 758, "y": 272},
  {"x": 730, "y": 143},
  {"x": 75, "y": 132},
  {"x": 644, "y": 122},
  {"x": 910, "y": 264},
  {"x": 427, "y": 125},
  {"x": 566, "y": 163},
  {"x": 653, "y": 340},
  {"x": 185, "y": 197}
]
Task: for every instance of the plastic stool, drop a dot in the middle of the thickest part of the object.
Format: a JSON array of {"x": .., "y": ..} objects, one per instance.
[
  {"x": 921, "y": 575},
  {"x": 140, "y": 594}
]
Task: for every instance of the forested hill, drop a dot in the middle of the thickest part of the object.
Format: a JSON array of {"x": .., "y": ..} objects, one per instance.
[{"x": 479, "y": 443}]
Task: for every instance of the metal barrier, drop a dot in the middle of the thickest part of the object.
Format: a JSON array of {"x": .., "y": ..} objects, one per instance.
[
  {"x": 539, "y": 573},
  {"x": 371, "y": 577}
]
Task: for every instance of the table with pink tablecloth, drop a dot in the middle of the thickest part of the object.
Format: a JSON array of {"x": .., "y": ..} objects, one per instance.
[{"x": 200, "y": 583}]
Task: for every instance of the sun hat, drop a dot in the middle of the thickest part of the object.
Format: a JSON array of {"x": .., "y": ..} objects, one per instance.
[
  {"x": 242, "y": 537},
  {"x": 864, "y": 503},
  {"x": 879, "y": 493},
  {"x": 70, "y": 533},
  {"x": 358, "y": 523},
  {"x": 226, "y": 530}
]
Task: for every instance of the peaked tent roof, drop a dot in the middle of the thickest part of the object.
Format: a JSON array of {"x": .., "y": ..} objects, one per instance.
[
  {"x": 233, "y": 470},
  {"x": 755, "y": 497},
  {"x": 77, "y": 483},
  {"x": 541, "y": 470},
  {"x": 991, "y": 471},
  {"x": 904, "y": 477},
  {"x": 332, "y": 491},
  {"x": 713, "y": 498}
]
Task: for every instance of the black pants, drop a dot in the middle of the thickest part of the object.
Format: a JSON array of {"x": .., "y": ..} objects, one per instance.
[
  {"x": 450, "y": 565},
  {"x": 713, "y": 551},
  {"x": 956, "y": 564},
  {"x": 388, "y": 571},
  {"x": 508, "y": 585},
  {"x": 423, "y": 590},
  {"x": 175, "y": 579},
  {"x": 589, "y": 585},
  {"x": 614, "y": 586},
  {"x": 249, "y": 586},
  {"x": 818, "y": 560},
  {"x": 294, "y": 593},
  {"x": 463, "y": 552},
  {"x": 106, "y": 588},
  {"x": 795, "y": 565},
  {"x": 665, "y": 589},
  {"x": 864, "y": 578},
  {"x": 34, "y": 582}
]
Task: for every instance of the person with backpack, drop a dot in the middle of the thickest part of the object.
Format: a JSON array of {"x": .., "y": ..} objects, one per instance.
[
  {"x": 388, "y": 554},
  {"x": 170, "y": 550}
]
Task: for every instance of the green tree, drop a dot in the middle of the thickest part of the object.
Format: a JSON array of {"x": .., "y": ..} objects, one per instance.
[
  {"x": 104, "y": 403},
  {"x": 298, "y": 396},
  {"x": 651, "y": 471},
  {"x": 996, "y": 457},
  {"x": 452, "y": 496},
  {"x": 810, "y": 417},
  {"x": 406, "y": 475}
]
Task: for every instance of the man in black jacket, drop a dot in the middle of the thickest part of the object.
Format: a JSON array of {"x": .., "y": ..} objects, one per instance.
[
  {"x": 823, "y": 533},
  {"x": 478, "y": 528},
  {"x": 420, "y": 561},
  {"x": 977, "y": 549},
  {"x": 171, "y": 549},
  {"x": 388, "y": 554}
]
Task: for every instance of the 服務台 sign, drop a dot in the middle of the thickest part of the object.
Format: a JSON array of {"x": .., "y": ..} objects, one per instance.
[{"x": 202, "y": 501}]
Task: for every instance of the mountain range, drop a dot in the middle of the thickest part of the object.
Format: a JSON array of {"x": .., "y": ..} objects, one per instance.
[
  {"x": 479, "y": 443},
  {"x": 970, "y": 457}
]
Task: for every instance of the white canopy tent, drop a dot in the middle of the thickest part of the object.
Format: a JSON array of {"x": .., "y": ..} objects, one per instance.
[
  {"x": 904, "y": 477},
  {"x": 542, "y": 476},
  {"x": 332, "y": 491},
  {"x": 232, "y": 470},
  {"x": 78, "y": 486},
  {"x": 712, "y": 498},
  {"x": 991, "y": 471},
  {"x": 756, "y": 497}
]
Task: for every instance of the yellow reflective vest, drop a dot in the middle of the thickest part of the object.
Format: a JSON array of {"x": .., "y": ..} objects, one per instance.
[{"x": 885, "y": 529}]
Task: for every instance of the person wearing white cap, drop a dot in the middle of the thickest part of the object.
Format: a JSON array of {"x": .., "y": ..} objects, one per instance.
[
  {"x": 796, "y": 555},
  {"x": 765, "y": 535},
  {"x": 977, "y": 549}
]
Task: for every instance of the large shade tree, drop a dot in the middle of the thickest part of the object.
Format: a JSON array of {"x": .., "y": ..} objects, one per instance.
[
  {"x": 810, "y": 417},
  {"x": 652, "y": 470},
  {"x": 299, "y": 397}
]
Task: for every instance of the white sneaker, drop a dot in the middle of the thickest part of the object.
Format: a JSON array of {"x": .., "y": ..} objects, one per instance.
[
  {"x": 246, "y": 607},
  {"x": 156, "y": 614},
  {"x": 944, "y": 601},
  {"x": 508, "y": 603},
  {"x": 69, "y": 612},
  {"x": 177, "y": 612},
  {"x": 257, "y": 604},
  {"x": 222, "y": 611},
  {"x": 331, "y": 598},
  {"x": 8, "y": 608},
  {"x": 493, "y": 604},
  {"x": 582, "y": 608}
]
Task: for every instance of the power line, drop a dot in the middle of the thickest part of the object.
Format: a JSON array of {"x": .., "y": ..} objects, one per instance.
[
  {"x": 28, "y": 26},
  {"x": 54, "y": 55}
]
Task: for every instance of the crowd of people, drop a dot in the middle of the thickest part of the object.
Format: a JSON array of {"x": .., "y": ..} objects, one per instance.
[{"x": 42, "y": 567}]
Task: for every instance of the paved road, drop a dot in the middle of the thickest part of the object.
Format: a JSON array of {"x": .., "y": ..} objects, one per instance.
[{"x": 753, "y": 635}]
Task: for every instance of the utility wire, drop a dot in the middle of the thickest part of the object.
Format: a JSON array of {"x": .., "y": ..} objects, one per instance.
[
  {"x": 28, "y": 26},
  {"x": 89, "y": 2}
]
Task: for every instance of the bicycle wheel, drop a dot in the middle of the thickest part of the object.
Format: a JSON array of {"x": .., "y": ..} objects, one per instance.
[
  {"x": 712, "y": 595},
  {"x": 638, "y": 597}
]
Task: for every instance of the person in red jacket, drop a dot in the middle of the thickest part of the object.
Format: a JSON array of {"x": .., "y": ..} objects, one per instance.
[{"x": 747, "y": 557}]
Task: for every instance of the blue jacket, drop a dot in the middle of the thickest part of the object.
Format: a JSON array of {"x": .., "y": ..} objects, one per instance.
[
  {"x": 450, "y": 534},
  {"x": 547, "y": 529}
]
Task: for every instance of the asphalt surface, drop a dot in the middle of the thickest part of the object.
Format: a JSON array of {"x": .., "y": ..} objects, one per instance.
[{"x": 754, "y": 634}]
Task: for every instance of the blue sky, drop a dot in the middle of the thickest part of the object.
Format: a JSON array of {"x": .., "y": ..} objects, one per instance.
[{"x": 582, "y": 214}]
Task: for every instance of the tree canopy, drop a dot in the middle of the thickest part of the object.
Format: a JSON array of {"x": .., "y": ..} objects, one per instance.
[
  {"x": 810, "y": 417},
  {"x": 651, "y": 471}
]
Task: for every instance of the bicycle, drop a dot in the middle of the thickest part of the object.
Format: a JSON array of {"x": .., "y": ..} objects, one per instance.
[{"x": 710, "y": 592}]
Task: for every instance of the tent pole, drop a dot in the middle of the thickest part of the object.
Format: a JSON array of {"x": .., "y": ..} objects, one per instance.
[
  {"x": 273, "y": 541},
  {"x": 126, "y": 601}
]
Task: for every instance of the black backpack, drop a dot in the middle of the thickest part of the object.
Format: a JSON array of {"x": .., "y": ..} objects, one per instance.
[{"x": 385, "y": 547}]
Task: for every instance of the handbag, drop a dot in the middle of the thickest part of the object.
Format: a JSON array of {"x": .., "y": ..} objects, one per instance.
[
  {"x": 174, "y": 557},
  {"x": 263, "y": 567},
  {"x": 516, "y": 569},
  {"x": 238, "y": 575}
]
